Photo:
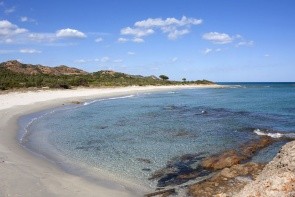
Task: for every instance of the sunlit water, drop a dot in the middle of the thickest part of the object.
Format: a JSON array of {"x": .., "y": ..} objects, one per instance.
[{"x": 131, "y": 137}]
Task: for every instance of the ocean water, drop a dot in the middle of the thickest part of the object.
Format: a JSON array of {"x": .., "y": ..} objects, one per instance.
[{"x": 131, "y": 137}]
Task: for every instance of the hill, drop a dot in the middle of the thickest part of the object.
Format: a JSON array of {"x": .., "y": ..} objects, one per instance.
[
  {"x": 30, "y": 69},
  {"x": 14, "y": 74}
]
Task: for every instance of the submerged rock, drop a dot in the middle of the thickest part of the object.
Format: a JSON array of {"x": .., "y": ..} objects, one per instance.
[
  {"x": 226, "y": 159},
  {"x": 232, "y": 157}
]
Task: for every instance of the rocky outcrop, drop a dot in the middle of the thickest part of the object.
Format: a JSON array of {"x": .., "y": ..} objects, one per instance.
[
  {"x": 277, "y": 178},
  {"x": 232, "y": 157},
  {"x": 226, "y": 182}
]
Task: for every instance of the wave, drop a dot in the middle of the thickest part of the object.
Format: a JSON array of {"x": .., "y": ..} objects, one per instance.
[
  {"x": 274, "y": 134},
  {"x": 112, "y": 98}
]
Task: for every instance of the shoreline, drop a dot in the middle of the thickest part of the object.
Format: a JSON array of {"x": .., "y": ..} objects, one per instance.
[{"x": 25, "y": 174}]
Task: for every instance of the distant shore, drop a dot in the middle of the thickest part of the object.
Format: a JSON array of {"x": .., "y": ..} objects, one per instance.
[{"x": 24, "y": 174}]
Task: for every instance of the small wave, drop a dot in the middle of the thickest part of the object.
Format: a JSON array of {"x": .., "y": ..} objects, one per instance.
[
  {"x": 90, "y": 102},
  {"x": 112, "y": 98},
  {"x": 171, "y": 92},
  {"x": 275, "y": 135}
]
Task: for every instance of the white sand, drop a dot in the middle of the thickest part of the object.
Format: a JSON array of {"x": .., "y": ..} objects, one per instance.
[{"x": 24, "y": 174}]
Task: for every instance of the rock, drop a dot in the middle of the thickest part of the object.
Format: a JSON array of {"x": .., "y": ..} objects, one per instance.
[
  {"x": 226, "y": 159},
  {"x": 226, "y": 182},
  {"x": 232, "y": 157},
  {"x": 164, "y": 193},
  {"x": 248, "y": 150},
  {"x": 277, "y": 178},
  {"x": 144, "y": 160}
]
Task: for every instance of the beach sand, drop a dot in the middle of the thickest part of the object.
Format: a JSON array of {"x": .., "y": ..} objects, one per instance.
[{"x": 25, "y": 174}]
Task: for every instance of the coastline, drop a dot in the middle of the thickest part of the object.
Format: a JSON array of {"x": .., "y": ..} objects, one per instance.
[{"x": 25, "y": 174}]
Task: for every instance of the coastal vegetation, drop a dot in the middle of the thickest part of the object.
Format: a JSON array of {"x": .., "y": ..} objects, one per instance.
[{"x": 14, "y": 74}]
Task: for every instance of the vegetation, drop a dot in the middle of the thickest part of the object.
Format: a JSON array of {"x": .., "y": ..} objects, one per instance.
[
  {"x": 164, "y": 77},
  {"x": 11, "y": 80}
]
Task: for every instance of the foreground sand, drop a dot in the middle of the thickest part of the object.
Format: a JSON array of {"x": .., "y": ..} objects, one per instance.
[{"x": 24, "y": 174}]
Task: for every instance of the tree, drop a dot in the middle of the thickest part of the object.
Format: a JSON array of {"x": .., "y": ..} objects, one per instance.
[
  {"x": 184, "y": 79},
  {"x": 164, "y": 77}
]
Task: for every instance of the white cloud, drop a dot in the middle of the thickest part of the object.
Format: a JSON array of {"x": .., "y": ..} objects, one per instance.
[
  {"x": 137, "y": 32},
  {"x": 24, "y": 19},
  {"x": 174, "y": 34},
  {"x": 9, "y": 10},
  {"x": 42, "y": 37},
  {"x": 207, "y": 51},
  {"x": 266, "y": 55},
  {"x": 105, "y": 59},
  {"x": 80, "y": 61},
  {"x": 174, "y": 28},
  {"x": 30, "y": 51},
  {"x": 246, "y": 43},
  {"x": 122, "y": 40},
  {"x": 130, "y": 53},
  {"x": 138, "y": 40},
  {"x": 174, "y": 59},
  {"x": 1, "y": 3},
  {"x": 218, "y": 38},
  {"x": 159, "y": 22},
  {"x": 99, "y": 39},
  {"x": 69, "y": 33},
  {"x": 8, "y": 40},
  {"x": 27, "y": 19},
  {"x": 7, "y": 29}
]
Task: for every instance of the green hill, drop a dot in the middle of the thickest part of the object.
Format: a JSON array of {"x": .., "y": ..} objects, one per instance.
[{"x": 14, "y": 74}]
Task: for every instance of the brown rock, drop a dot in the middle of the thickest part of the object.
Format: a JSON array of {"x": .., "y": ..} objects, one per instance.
[{"x": 226, "y": 159}]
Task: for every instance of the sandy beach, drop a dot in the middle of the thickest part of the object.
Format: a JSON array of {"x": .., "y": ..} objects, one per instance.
[{"x": 25, "y": 174}]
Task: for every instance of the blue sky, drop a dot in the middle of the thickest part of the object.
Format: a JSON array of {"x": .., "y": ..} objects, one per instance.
[{"x": 229, "y": 40}]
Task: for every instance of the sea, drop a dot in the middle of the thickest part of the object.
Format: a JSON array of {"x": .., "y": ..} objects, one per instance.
[{"x": 131, "y": 137}]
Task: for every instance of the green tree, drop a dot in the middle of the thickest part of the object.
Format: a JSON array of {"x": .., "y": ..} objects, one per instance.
[
  {"x": 184, "y": 79},
  {"x": 164, "y": 77}
]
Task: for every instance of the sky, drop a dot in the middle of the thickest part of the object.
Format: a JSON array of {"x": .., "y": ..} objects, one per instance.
[{"x": 218, "y": 40}]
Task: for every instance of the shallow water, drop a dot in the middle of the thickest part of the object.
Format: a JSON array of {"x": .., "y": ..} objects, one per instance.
[{"x": 131, "y": 137}]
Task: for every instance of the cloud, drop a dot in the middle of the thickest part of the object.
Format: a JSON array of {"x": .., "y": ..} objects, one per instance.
[
  {"x": 159, "y": 22},
  {"x": 7, "y": 29},
  {"x": 99, "y": 39},
  {"x": 105, "y": 59},
  {"x": 131, "y": 53},
  {"x": 172, "y": 27},
  {"x": 29, "y": 51},
  {"x": 27, "y": 19},
  {"x": 208, "y": 50},
  {"x": 42, "y": 37},
  {"x": 9, "y": 10},
  {"x": 137, "y": 32},
  {"x": 138, "y": 40},
  {"x": 174, "y": 59},
  {"x": 122, "y": 40},
  {"x": 24, "y": 19},
  {"x": 218, "y": 38},
  {"x": 266, "y": 55},
  {"x": 69, "y": 33},
  {"x": 80, "y": 61},
  {"x": 246, "y": 43}
]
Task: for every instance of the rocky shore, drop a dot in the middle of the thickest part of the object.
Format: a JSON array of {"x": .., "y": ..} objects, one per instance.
[
  {"x": 230, "y": 173},
  {"x": 277, "y": 178}
]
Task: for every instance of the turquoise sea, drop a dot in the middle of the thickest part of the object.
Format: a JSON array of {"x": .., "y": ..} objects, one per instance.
[{"x": 131, "y": 137}]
